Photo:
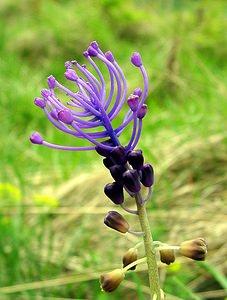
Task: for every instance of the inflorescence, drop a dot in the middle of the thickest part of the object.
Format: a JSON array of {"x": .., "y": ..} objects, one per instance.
[
  {"x": 89, "y": 115},
  {"x": 90, "y": 111}
]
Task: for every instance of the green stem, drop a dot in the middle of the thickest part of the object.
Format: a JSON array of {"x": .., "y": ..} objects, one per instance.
[{"x": 149, "y": 250}]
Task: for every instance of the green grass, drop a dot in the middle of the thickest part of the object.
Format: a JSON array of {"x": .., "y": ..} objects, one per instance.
[{"x": 183, "y": 45}]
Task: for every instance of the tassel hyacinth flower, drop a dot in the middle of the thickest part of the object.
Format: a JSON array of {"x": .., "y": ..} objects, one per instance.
[
  {"x": 91, "y": 107},
  {"x": 90, "y": 110}
]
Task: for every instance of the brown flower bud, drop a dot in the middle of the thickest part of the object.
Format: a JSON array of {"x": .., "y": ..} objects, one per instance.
[
  {"x": 110, "y": 281},
  {"x": 195, "y": 249},
  {"x": 129, "y": 257},
  {"x": 116, "y": 221},
  {"x": 167, "y": 256}
]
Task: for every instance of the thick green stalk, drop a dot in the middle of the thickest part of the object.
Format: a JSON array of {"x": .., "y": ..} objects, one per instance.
[{"x": 150, "y": 251}]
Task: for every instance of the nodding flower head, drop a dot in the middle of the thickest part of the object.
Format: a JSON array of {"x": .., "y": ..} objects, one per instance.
[{"x": 91, "y": 110}]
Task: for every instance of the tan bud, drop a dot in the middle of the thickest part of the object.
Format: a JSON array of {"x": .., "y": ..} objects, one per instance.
[
  {"x": 129, "y": 257},
  {"x": 110, "y": 281},
  {"x": 167, "y": 256},
  {"x": 195, "y": 249},
  {"x": 116, "y": 221}
]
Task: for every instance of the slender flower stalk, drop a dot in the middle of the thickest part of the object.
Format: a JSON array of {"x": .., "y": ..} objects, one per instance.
[
  {"x": 88, "y": 114},
  {"x": 149, "y": 250}
]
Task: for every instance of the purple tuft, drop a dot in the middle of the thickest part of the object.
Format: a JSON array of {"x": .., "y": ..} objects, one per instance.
[
  {"x": 39, "y": 102},
  {"x": 136, "y": 59},
  {"x": 51, "y": 82},
  {"x": 65, "y": 116},
  {"x": 133, "y": 102},
  {"x": 70, "y": 74},
  {"x": 109, "y": 56},
  {"x": 138, "y": 92},
  {"x": 142, "y": 111},
  {"x": 95, "y": 45},
  {"x": 45, "y": 93},
  {"x": 68, "y": 64},
  {"x": 85, "y": 54},
  {"x": 36, "y": 138},
  {"x": 92, "y": 51}
]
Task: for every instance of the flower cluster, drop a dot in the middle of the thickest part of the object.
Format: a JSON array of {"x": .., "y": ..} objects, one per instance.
[
  {"x": 129, "y": 171},
  {"x": 90, "y": 110}
]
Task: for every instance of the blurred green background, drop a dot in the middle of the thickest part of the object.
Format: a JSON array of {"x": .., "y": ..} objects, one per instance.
[{"x": 53, "y": 244}]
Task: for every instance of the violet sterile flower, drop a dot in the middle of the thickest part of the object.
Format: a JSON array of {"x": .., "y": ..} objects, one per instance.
[{"x": 90, "y": 110}]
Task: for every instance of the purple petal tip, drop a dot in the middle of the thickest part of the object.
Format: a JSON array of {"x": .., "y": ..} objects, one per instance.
[
  {"x": 109, "y": 56},
  {"x": 85, "y": 54},
  {"x": 68, "y": 64},
  {"x": 133, "y": 102},
  {"x": 51, "y": 82},
  {"x": 142, "y": 111},
  {"x": 138, "y": 92},
  {"x": 92, "y": 51},
  {"x": 65, "y": 116},
  {"x": 136, "y": 59},
  {"x": 36, "y": 138},
  {"x": 95, "y": 45},
  {"x": 40, "y": 102},
  {"x": 45, "y": 93},
  {"x": 70, "y": 74}
]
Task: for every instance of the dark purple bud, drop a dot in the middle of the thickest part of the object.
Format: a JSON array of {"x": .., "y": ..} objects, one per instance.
[
  {"x": 135, "y": 159},
  {"x": 115, "y": 221},
  {"x": 70, "y": 74},
  {"x": 68, "y": 64},
  {"x": 119, "y": 155},
  {"x": 102, "y": 151},
  {"x": 108, "y": 162},
  {"x": 147, "y": 175},
  {"x": 109, "y": 56},
  {"x": 36, "y": 138},
  {"x": 133, "y": 102},
  {"x": 142, "y": 111},
  {"x": 51, "y": 82},
  {"x": 138, "y": 92},
  {"x": 131, "y": 181},
  {"x": 84, "y": 66},
  {"x": 40, "y": 102},
  {"x": 94, "y": 45},
  {"x": 65, "y": 116},
  {"x": 117, "y": 173},
  {"x": 114, "y": 191},
  {"x": 91, "y": 51},
  {"x": 136, "y": 59},
  {"x": 45, "y": 93}
]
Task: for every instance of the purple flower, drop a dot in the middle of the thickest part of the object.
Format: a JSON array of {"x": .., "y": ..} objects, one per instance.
[{"x": 90, "y": 110}]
